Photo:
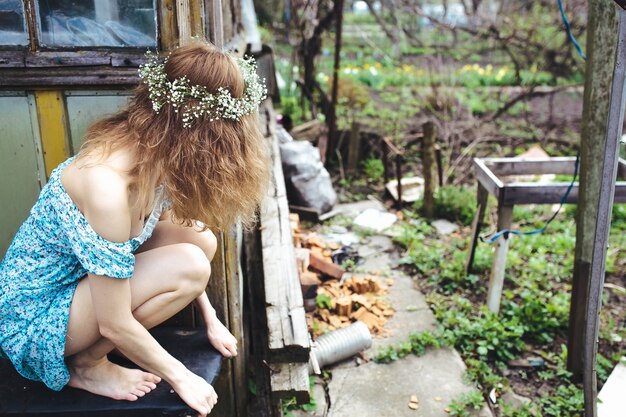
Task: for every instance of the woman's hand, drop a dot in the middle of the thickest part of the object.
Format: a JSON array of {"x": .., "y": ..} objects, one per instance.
[
  {"x": 196, "y": 393},
  {"x": 219, "y": 336}
]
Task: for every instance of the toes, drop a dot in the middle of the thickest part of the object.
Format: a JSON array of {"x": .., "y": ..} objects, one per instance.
[
  {"x": 149, "y": 385},
  {"x": 152, "y": 378},
  {"x": 139, "y": 393},
  {"x": 130, "y": 397},
  {"x": 145, "y": 388}
]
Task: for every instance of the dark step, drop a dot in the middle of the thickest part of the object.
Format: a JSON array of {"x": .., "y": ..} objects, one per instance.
[{"x": 22, "y": 397}]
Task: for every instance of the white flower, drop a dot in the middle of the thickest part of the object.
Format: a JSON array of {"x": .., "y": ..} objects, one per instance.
[{"x": 221, "y": 105}]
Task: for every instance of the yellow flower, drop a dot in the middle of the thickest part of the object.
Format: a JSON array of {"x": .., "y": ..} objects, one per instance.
[{"x": 533, "y": 69}]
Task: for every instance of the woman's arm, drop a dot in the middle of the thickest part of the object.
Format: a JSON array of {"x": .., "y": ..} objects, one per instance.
[{"x": 110, "y": 216}]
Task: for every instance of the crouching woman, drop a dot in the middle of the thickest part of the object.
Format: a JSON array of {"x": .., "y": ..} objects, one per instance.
[{"x": 119, "y": 239}]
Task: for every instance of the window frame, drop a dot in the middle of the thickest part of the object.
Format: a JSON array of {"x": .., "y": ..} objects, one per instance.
[{"x": 34, "y": 65}]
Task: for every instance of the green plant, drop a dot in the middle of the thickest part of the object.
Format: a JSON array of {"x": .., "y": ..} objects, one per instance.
[
  {"x": 373, "y": 169},
  {"x": 454, "y": 203},
  {"x": 323, "y": 301},
  {"x": 466, "y": 403},
  {"x": 417, "y": 344},
  {"x": 291, "y": 404}
]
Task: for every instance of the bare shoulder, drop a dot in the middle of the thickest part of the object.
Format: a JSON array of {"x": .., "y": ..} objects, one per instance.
[{"x": 101, "y": 193}]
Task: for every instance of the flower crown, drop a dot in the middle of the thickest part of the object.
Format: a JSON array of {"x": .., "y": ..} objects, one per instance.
[{"x": 221, "y": 105}]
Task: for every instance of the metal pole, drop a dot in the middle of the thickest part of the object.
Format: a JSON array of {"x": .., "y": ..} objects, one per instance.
[
  {"x": 332, "y": 122},
  {"x": 605, "y": 207}
]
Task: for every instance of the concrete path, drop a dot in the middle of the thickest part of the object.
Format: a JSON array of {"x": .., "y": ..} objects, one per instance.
[{"x": 367, "y": 389}]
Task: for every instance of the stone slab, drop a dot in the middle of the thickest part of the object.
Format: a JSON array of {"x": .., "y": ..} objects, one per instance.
[{"x": 385, "y": 390}]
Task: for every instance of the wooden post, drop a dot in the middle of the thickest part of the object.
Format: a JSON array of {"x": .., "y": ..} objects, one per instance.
[
  {"x": 481, "y": 198},
  {"x": 428, "y": 162},
  {"x": 332, "y": 120},
  {"x": 604, "y": 207},
  {"x": 399, "y": 179},
  {"x": 354, "y": 148},
  {"x": 601, "y": 47},
  {"x": 496, "y": 283},
  {"x": 385, "y": 162},
  {"x": 217, "y": 24},
  {"x": 183, "y": 18}
]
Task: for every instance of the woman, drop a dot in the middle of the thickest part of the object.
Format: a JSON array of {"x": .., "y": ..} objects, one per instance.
[{"x": 119, "y": 239}]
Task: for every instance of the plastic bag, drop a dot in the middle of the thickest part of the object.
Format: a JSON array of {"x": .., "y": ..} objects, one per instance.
[{"x": 307, "y": 181}]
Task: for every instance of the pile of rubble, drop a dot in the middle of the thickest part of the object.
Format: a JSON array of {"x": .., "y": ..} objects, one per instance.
[{"x": 334, "y": 298}]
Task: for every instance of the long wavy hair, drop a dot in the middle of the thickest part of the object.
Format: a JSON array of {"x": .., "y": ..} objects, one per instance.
[{"x": 215, "y": 172}]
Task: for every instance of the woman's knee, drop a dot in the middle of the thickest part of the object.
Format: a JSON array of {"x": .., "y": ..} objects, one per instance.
[
  {"x": 195, "y": 268},
  {"x": 208, "y": 243}
]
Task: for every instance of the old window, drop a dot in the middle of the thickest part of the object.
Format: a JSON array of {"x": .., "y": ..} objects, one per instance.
[
  {"x": 94, "y": 23},
  {"x": 12, "y": 23}
]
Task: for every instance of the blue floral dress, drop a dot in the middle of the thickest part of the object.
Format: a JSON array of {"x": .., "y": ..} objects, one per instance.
[{"x": 51, "y": 252}]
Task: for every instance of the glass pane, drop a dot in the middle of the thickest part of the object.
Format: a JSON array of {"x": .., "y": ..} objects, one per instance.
[
  {"x": 12, "y": 23},
  {"x": 97, "y": 22}
]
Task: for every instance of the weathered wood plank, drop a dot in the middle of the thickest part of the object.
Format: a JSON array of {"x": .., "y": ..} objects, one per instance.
[
  {"x": 124, "y": 59},
  {"x": 290, "y": 380},
  {"x": 183, "y": 19},
  {"x": 235, "y": 305},
  {"x": 10, "y": 59},
  {"x": 61, "y": 59},
  {"x": 288, "y": 337},
  {"x": 69, "y": 76},
  {"x": 540, "y": 166},
  {"x": 530, "y": 193},
  {"x": 496, "y": 281},
  {"x": 487, "y": 178},
  {"x": 168, "y": 32}
]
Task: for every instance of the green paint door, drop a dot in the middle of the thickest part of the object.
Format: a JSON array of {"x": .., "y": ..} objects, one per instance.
[{"x": 20, "y": 163}]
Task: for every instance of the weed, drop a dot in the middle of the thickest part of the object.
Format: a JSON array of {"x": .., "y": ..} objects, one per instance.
[
  {"x": 373, "y": 169},
  {"x": 464, "y": 405}
]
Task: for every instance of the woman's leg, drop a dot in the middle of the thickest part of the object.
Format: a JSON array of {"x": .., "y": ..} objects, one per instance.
[
  {"x": 168, "y": 233},
  {"x": 165, "y": 280}
]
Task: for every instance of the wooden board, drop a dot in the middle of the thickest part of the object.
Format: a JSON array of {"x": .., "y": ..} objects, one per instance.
[
  {"x": 288, "y": 336},
  {"x": 488, "y": 172},
  {"x": 290, "y": 380}
]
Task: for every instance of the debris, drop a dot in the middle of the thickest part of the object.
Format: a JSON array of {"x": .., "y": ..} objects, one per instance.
[
  {"x": 412, "y": 189},
  {"x": 319, "y": 264},
  {"x": 353, "y": 209},
  {"x": 514, "y": 400},
  {"x": 375, "y": 219},
  {"x": 341, "y": 344},
  {"x": 611, "y": 396},
  {"x": 357, "y": 298},
  {"x": 447, "y": 410},
  {"x": 530, "y": 362},
  {"x": 444, "y": 227},
  {"x": 492, "y": 396},
  {"x": 413, "y": 406},
  {"x": 307, "y": 181},
  {"x": 438, "y": 399}
]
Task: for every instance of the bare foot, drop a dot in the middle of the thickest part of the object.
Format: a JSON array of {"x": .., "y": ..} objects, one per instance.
[
  {"x": 104, "y": 378},
  {"x": 221, "y": 338}
]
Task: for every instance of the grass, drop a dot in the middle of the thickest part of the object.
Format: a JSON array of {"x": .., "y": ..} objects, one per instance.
[{"x": 534, "y": 312}]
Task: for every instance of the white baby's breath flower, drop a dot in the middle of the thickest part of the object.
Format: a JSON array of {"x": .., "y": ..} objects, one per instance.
[{"x": 221, "y": 105}]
